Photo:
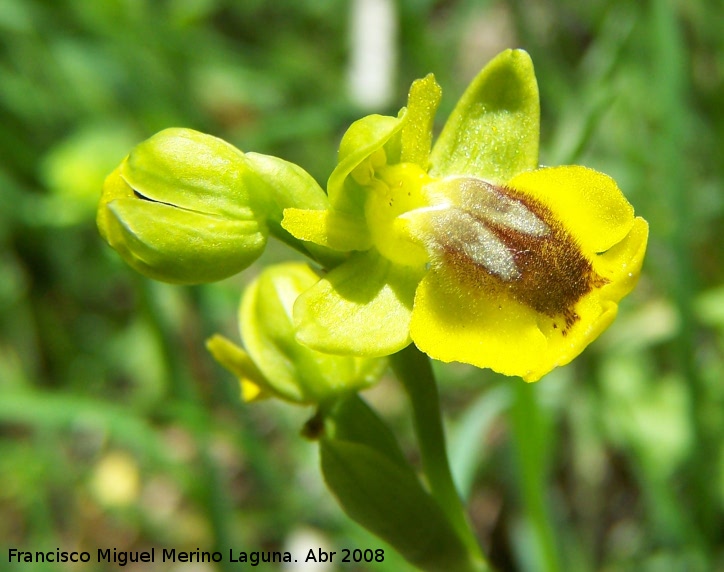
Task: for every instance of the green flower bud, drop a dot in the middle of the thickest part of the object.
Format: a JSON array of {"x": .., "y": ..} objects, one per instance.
[
  {"x": 184, "y": 207},
  {"x": 274, "y": 363}
]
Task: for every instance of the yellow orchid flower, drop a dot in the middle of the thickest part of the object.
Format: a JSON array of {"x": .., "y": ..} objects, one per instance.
[{"x": 469, "y": 250}]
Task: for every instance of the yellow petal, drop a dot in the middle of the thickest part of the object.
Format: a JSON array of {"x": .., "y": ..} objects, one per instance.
[
  {"x": 587, "y": 203},
  {"x": 327, "y": 228},
  {"x": 250, "y": 391},
  {"x": 451, "y": 323},
  {"x": 252, "y": 383},
  {"x": 422, "y": 103},
  {"x": 621, "y": 264},
  {"x": 562, "y": 346}
]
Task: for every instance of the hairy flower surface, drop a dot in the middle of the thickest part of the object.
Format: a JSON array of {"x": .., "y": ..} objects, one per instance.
[{"x": 469, "y": 250}]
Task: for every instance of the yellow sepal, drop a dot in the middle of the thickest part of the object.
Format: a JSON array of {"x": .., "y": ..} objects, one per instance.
[{"x": 327, "y": 228}]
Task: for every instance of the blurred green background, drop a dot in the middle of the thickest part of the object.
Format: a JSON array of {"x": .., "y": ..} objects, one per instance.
[{"x": 117, "y": 430}]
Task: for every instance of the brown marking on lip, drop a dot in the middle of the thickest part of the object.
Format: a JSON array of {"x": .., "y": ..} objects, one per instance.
[{"x": 553, "y": 272}]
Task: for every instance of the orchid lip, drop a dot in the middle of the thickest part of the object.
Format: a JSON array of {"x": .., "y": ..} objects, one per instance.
[{"x": 493, "y": 238}]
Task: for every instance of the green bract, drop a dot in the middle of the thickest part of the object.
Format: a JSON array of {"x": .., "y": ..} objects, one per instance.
[
  {"x": 276, "y": 364},
  {"x": 368, "y": 473}
]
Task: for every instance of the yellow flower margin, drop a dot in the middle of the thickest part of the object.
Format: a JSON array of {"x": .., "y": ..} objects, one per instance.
[
  {"x": 395, "y": 288},
  {"x": 512, "y": 338}
]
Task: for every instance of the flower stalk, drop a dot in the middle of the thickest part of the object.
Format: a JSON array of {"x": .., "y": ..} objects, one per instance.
[{"x": 414, "y": 370}]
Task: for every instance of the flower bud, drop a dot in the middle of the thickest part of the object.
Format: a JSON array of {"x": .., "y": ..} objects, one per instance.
[
  {"x": 182, "y": 208},
  {"x": 281, "y": 366}
]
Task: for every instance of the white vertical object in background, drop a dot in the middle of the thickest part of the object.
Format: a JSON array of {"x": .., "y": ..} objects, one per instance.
[
  {"x": 304, "y": 539},
  {"x": 373, "y": 31}
]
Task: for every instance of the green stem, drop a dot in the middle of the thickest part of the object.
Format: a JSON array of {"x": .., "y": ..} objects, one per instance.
[
  {"x": 531, "y": 445},
  {"x": 181, "y": 385},
  {"x": 415, "y": 372},
  {"x": 670, "y": 60}
]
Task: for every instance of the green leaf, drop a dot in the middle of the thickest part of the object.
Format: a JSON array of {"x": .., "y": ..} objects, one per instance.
[
  {"x": 351, "y": 419},
  {"x": 468, "y": 447},
  {"x": 493, "y": 131},
  {"x": 388, "y": 499}
]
